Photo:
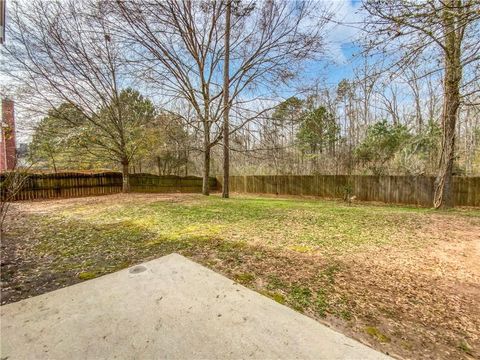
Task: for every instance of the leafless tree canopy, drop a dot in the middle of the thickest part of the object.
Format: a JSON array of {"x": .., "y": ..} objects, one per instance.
[
  {"x": 179, "y": 48},
  {"x": 64, "y": 52}
]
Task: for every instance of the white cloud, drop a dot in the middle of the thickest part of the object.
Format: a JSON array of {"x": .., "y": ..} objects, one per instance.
[{"x": 344, "y": 29}]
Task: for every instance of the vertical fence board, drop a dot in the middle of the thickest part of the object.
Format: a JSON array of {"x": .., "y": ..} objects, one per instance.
[{"x": 412, "y": 190}]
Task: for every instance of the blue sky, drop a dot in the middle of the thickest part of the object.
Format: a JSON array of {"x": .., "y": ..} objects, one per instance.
[
  {"x": 334, "y": 70},
  {"x": 340, "y": 48},
  {"x": 337, "y": 71}
]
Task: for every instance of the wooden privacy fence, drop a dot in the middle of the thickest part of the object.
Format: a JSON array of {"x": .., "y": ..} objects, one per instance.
[
  {"x": 169, "y": 183},
  {"x": 414, "y": 190},
  {"x": 64, "y": 185}
]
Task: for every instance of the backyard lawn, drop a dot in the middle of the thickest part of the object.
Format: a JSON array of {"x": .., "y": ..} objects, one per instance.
[{"x": 404, "y": 280}]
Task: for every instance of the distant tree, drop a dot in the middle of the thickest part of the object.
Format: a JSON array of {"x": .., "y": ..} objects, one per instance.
[
  {"x": 55, "y": 138},
  {"x": 280, "y": 133},
  {"x": 382, "y": 141},
  {"x": 419, "y": 153},
  {"x": 168, "y": 146},
  {"x": 66, "y": 138},
  {"x": 346, "y": 97},
  {"x": 318, "y": 130},
  {"x": 136, "y": 113},
  {"x": 289, "y": 112},
  {"x": 476, "y": 154}
]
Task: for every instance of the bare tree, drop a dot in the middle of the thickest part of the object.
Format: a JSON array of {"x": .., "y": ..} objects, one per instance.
[
  {"x": 389, "y": 100},
  {"x": 430, "y": 29},
  {"x": 226, "y": 103},
  {"x": 11, "y": 183},
  {"x": 180, "y": 48},
  {"x": 64, "y": 52},
  {"x": 367, "y": 74}
]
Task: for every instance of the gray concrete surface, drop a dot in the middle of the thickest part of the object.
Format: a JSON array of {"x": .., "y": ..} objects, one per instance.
[{"x": 169, "y": 308}]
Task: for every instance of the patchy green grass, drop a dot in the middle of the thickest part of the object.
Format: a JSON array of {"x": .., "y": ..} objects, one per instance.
[
  {"x": 464, "y": 347},
  {"x": 274, "y": 296},
  {"x": 300, "y": 297},
  {"x": 87, "y": 275},
  {"x": 244, "y": 278},
  {"x": 322, "y": 303},
  {"x": 101, "y": 239},
  {"x": 326, "y": 259},
  {"x": 377, "y": 334},
  {"x": 305, "y": 225}
]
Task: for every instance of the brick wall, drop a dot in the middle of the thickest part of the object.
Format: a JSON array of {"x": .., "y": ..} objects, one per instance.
[{"x": 7, "y": 137}]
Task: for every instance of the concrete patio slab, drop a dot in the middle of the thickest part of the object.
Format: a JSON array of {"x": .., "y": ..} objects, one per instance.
[{"x": 169, "y": 308}]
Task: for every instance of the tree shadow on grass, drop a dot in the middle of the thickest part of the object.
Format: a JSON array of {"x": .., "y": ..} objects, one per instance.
[{"x": 54, "y": 252}]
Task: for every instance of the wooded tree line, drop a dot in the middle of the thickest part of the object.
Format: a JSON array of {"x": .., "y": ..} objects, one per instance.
[{"x": 200, "y": 87}]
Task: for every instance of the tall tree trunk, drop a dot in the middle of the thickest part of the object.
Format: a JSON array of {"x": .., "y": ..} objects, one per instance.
[
  {"x": 54, "y": 164},
  {"x": 186, "y": 162},
  {"x": 226, "y": 107},
  {"x": 125, "y": 176},
  {"x": 452, "y": 79},
  {"x": 159, "y": 165},
  {"x": 206, "y": 170}
]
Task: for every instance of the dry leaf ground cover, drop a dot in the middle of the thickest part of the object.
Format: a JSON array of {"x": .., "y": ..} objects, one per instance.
[{"x": 404, "y": 280}]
